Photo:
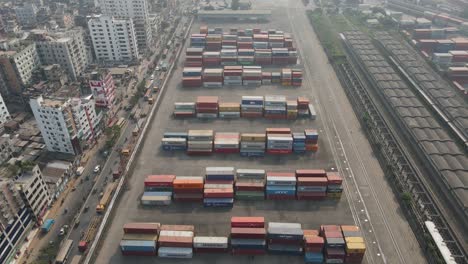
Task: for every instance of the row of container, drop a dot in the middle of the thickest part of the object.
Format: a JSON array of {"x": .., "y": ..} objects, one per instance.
[
  {"x": 221, "y": 185},
  {"x": 274, "y": 141},
  {"x": 197, "y": 57},
  {"x": 238, "y": 76},
  {"x": 248, "y": 236},
  {"x": 270, "y": 107}
]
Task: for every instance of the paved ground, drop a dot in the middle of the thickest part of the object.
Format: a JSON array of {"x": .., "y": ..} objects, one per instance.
[{"x": 368, "y": 202}]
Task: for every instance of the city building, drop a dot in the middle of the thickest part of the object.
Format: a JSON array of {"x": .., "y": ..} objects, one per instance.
[
  {"x": 67, "y": 125},
  {"x": 113, "y": 39},
  {"x": 16, "y": 220},
  {"x": 103, "y": 87},
  {"x": 18, "y": 61},
  {"x": 33, "y": 189},
  {"x": 66, "y": 48},
  {"x": 137, "y": 10},
  {"x": 26, "y": 15},
  {"x": 4, "y": 114},
  {"x": 56, "y": 175}
]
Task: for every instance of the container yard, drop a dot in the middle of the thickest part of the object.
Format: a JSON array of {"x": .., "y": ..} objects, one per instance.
[{"x": 262, "y": 161}]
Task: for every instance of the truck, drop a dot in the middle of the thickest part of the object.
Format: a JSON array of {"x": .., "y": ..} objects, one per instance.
[
  {"x": 47, "y": 225},
  {"x": 105, "y": 199},
  {"x": 79, "y": 171}
]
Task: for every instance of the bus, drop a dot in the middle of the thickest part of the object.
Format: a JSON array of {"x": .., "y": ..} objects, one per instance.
[
  {"x": 121, "y": 122},
  {"x": 147, "y": 95},
  {"x": 105, "y": 199},
  {"x": 64, "y": 252}
]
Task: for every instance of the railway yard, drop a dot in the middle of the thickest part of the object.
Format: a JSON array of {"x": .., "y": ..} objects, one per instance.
[{"x": 367, "y": 201}]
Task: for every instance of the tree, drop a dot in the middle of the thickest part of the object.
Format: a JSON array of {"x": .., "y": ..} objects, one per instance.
[{"x": 235, "y": 4}]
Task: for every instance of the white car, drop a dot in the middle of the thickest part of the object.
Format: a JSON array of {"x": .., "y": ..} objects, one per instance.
[{"x": 97, "y": 168}]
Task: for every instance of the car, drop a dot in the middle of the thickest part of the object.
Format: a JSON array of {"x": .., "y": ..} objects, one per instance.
[{"x": 97, "y": 168}]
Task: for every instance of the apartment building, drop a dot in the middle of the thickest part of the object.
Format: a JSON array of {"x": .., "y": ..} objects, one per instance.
[
  {"x": 137, "y": 10},
  {"x": 66, "y": 48},
  {"x": 66, "y": 124},
  {"x": 113, "y": 39},
  {"x": 26, "y": 15},
  {"x": 18, "y": 61},
  {"x": 4, "y": 114}
]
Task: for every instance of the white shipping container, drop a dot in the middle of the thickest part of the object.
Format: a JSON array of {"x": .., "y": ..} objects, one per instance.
[{"x": 210, "y": 242}]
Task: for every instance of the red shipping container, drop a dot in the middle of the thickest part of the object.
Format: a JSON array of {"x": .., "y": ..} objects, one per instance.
[
  {"x": 248, "y": 221},
  {"x": 334, "y": 178},
  {"x": 175, "y": 241},
  {"x": 218, "y": 193},
  {"x": 141, "y": 228},
  {"x": 248, "y": 233},
  {"x": 177, "y": 228},
  {"x": 306, "y": 181}
]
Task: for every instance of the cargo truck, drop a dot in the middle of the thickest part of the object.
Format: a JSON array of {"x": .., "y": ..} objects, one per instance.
[
  {"x": 47, "y": 225},
  {"x": 105, "y": 199}
]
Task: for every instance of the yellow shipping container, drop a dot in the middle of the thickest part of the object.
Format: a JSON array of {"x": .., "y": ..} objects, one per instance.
[
  {"x": 355, "y": 247},
  {"x": 354, "y": 240},
  {"x": 253, "y": 137}
]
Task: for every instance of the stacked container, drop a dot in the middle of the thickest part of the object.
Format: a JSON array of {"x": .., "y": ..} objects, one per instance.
[
  {"x": 334, "y": 243},
  {"x": 291, "y": 107},
  {"x": 232, "y": 75},
  {"x": 188, "y": 188},
  {"x": 250, "y": 184},
  {"x": 252, "y": 145},
  {"x": 140, "y": 239},
  {"x": 176, "y": 241},
  {"x": 184, "y": 109},
  {"x": 219, "y": 191},
  {"x": 311, "y": 140},
  {"x": 252, "y": 76},
  {"x": 207, "y": 106},
  {"x": 229, "y": 110},
  {"x": 280, "y": 186},
  {"x": 311, "y": 184},
  {"x": 296, "y": 78},
  {"x": 334, "y": 188},
  {"x": 213, "y": 42},
  {"x": 252, "y": 106},
  {"x": 286, "y": 77},
  {"x": 275, "y": 107},
  {"x": 198, "y": 40},
  {"x": 205, "y": 244},
  {"x": 313, "y": 247},
  {"x": 279, "y": 56},
  {"x": 248, "y": 236},
  {"x": 226, "y": 142},
  {"x": 213, "y": 78},
  {"x": 355, "y": 246},
  {"x": 192, "y": 77},
  {"x": 299, "y": 145},
  {"x": 158, "y": 190},
  {"x": 285, "y": 238},
  {"x": 302, "y": 106},
  {"x": 211, "y": 58},
  {"x": 200, "y": 142},
  {"x": 228, "y": 56},
  {"x": 279, "y": 141}
]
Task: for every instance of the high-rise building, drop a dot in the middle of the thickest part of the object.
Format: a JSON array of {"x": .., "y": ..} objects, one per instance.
[
  {"x": 114, "y": 40},
  {"x": 4, "y": 114},
  {"x": 17, "y": 63},
  {"x": 66, "y": 124},
  {"x": 137, "y": 10},
  {"x": 26, "y": 15},
  {"x": 66, "y": 48}
]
